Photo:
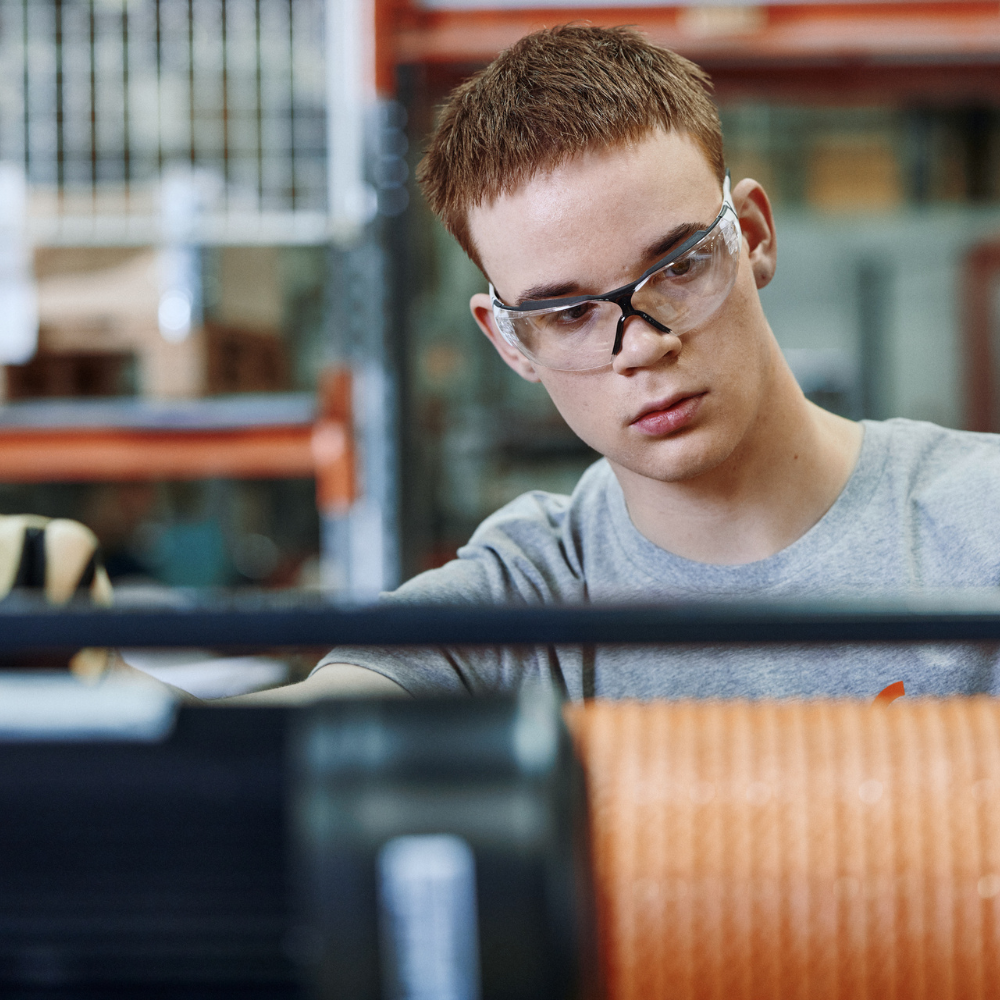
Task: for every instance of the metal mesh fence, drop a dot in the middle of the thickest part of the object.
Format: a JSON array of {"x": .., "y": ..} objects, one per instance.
[{"x": 99, "y": 99}]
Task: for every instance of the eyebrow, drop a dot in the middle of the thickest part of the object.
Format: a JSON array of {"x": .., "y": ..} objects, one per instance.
[
  {"x": 659, "y": 248},
  {"x": 677, "y": 235},
  {"x": 540, "y": 293}
]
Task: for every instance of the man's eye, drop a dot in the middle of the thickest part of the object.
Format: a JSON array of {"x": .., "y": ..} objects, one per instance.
[
  {"x": 576, "y": 313},
  {"x": 688, "y": 267},
  {"x": 679, "y": 267},
  {"x": 571, "y": 318}
]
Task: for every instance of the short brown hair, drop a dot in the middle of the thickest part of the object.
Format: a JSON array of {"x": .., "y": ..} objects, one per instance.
[{"x": 554, "y": 93}]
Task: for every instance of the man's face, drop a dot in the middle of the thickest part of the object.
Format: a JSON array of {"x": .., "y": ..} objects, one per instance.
[{"x": 668, "y": 408}]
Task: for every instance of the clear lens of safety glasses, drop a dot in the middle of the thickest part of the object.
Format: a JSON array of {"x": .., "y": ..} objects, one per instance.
[
  {"x": 689, "y": 290},
  {"x": 679, "y": 295}
]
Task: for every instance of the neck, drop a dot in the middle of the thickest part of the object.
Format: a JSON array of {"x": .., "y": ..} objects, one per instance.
[{"x": 785, "y": 474}]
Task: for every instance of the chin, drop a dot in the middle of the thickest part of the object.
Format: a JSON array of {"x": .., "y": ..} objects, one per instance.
[{"x": 675, "y": 460}]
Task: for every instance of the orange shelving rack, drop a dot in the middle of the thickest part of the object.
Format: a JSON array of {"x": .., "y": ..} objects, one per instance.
[
  {"x": 847, "y": 47},
  {"x": 279, "y": 436}
]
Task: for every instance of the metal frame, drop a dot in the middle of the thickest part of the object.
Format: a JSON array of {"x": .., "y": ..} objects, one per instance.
[
  {"x": 268, "y": 622},
  {"x": 979, "y": 281},
  {"x": 752, "y": 38},
  {"x": 101, "y": 101}
]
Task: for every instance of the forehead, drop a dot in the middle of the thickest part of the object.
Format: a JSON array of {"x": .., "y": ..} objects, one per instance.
[{"x": 586, "y": 221}]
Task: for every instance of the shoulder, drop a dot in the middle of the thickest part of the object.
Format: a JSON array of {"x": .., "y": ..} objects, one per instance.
[
  {"x": 541, "y": 534},
  {"x": 527, "y": 550},
  {"x": 945, "y": 488},
  {"x": 941, "y": 488},
  {"x": 935, "y": 459},
  {"x": 537, "y": 519}
]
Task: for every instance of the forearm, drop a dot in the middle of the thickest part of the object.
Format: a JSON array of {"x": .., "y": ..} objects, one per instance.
[{"x": 334, "y": 680}]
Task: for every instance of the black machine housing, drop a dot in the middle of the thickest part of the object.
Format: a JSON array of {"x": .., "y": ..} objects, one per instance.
[{"x": 239, "y": 855}]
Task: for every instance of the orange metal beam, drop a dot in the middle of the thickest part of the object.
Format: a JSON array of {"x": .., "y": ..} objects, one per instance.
[
  {"x": 100, "y": 454},
  {"x": 128, "y": 454},
  {"x": 766, "y": 33}
]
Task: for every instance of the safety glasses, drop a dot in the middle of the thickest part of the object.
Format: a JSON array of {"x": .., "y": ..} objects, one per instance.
[{"x": 675, "y": 295}]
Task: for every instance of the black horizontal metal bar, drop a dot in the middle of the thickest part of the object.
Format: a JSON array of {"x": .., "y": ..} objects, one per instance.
[{"x": 25, "y": 625}]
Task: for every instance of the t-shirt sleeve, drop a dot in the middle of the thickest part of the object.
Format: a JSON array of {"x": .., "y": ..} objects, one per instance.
[{"x": 520, "y": 555}]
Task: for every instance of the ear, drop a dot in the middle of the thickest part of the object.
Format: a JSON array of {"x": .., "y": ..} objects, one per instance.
[
  {"x": 482, "y": 313},
  {"x": 754, "y": 209}
]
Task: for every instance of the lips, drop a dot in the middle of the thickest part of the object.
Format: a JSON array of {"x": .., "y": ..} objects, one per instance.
[{"x": 670, "y": 415}]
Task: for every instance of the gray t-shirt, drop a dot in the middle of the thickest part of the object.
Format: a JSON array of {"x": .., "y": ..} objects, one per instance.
[{"x": 921, "y": 511}]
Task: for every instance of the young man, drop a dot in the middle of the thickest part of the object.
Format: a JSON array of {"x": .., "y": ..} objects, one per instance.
[{"x": 583, "y": 172}]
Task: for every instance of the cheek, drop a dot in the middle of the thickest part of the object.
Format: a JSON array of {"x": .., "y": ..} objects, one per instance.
[
  {"x": 734, "y": 345},
  {"x": 584, "y": 401},
  {"x": 741, "y": 359}
]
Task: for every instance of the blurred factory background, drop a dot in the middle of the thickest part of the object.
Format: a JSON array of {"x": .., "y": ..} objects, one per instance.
[{"x": 237, "y": 345}]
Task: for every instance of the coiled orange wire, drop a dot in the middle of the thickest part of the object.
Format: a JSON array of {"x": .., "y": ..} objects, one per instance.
[{"x": 796, "y": 850}]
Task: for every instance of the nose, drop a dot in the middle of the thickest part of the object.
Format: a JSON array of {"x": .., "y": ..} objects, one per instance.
[{"x": 643, "y": 346}]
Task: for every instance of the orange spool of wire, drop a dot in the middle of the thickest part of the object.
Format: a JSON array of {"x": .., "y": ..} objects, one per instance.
[{"x": 796, "y": 850}]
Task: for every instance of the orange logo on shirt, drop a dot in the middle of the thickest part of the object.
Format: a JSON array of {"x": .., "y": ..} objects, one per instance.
[{"x": 889, "y": 694}]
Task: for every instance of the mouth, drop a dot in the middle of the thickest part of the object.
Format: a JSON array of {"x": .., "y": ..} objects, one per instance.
[{"x": 668, "y": 415}]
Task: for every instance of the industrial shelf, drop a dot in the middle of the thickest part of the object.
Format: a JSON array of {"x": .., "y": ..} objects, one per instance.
[
  {"x": 143, "y": 229},
  {"x": 213, "y": 413},
  {"x": 253, "y": 436},
  {"x": 741, "y": 40}
]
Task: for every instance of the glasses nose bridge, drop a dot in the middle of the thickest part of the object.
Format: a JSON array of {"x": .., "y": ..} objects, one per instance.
[{"x": 624, "y": 302}]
